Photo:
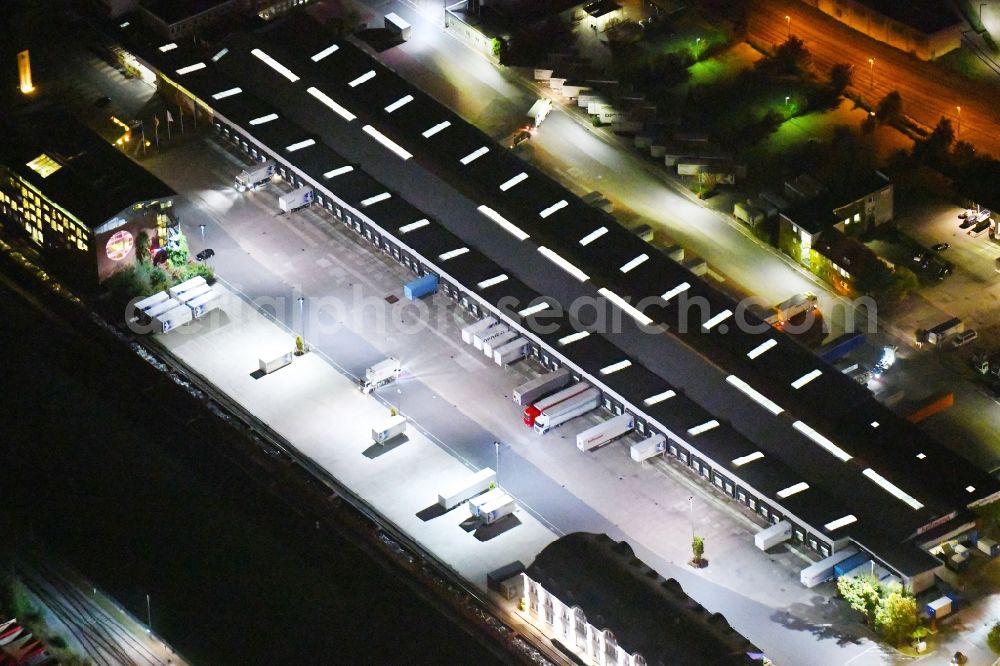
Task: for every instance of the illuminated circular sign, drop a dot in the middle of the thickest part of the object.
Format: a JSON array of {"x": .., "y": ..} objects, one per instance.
[{"x": 119, "y": 245}]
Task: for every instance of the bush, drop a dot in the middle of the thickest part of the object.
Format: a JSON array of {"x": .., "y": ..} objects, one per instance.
[
  {"x": 896, "y": 617},
  {"x": 993, "y": 638},
  {"x": 191, "y": 270}
]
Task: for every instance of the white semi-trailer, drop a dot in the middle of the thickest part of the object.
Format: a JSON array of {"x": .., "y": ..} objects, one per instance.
[
  {"x": 477, "y": 327},
  {"x": 190, "y": 294},
  {"x": 602, "y": 433},
  {"x": 389, "y": 428},
  {"x": 397, "y": 26},
  {"x": 256, "y": 176},
  {"x": 822, "y": 571},
  {"x": 514, "y": 350},
  {"x": 168, "y": 321},
  {"x": 296, "y": 199},
  {"x": 771, "y": 536},
  {"x": 194, "y": 283},
  {"x": 161, "y": 307},
  {"x": 491, "y": 333},
  {"x": 380, "y": 374},
  {"x": 493, "y": 511},
  {"x": 532, "y": 390},
  {"x": 566, "y": 410},
  {"x": 204, "y": 304},
  {"x": 476, "y": 503},
  {"x": 148, "y": 302},
  {"x": 489, "y": 346},
  {"x": 647, "y": 448},
  {"x": 469, "y": 486},
  {"x": 275, "y": 359},
  {"x": 532, "y": 411}
]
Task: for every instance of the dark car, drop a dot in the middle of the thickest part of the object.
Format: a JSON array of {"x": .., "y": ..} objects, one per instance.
[
  {"x": 520, "y": 137},
  {"x": 205, "y": 254},
  {"x": 967, "y": 222},
  {"x": 943, "y": 272},
  {"x": 941, "y": 247},
  {"x": 102, "y": 102}
]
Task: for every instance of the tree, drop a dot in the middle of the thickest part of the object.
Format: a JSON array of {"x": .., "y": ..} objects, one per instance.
[
  {"x": 862, "y": 593},
  {"x": 935, "y": 149},
  {"x": 841, "y": 76},
  {"x": 792, "y": 57},
  {"x": 896, "y": 617},
  {"x": 993, "y": 638},
  {"x": 142, "y": 247},
  {"x": 697, "y": 549},
  {"x": 178, "y": 252},
  {"x": 890, "y": 108}
]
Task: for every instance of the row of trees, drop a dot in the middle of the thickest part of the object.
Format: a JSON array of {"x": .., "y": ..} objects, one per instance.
[{"x": 888, "y": 608}]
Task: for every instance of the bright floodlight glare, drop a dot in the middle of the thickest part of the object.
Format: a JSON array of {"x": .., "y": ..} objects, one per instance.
[
  {"x": 659, "y": 397},
  {"x": 325, "y": 52},
  {"x": 168, "y": 47},
  {"x": 328, "y": 101},
  {"x": 625, "y": 306},
  {"x": 413, "y": 226},
  {"x": 506, "y": 224},
  {"x": 492, "y": 281},
  {"x": 275, "y": 65},
  {"x": 593, "y": 235},
  {"x": 437, "y": 128},
  {"x": 474, "y": 155},
  {"x": 339, "y": 171},
  {"x": 559, "y": 205},
  {"x": 761, "y": 348},
  {"x": 513, "y": 181},
  {"x": 892, "y": 488},
  {"x": 387, "y": 142},
  {"x": 563, "y": 264},
  {"x": 264, "y": 119},
  {"x": 399, "y": 103},
  {"x": 634, "y": 263},
  {"x": 367, "y": 76}
]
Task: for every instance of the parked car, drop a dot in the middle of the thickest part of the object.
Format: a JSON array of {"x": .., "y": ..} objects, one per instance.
[
  {"x": 943, "y": 272},
  {"x": 964, "y": 338},
  {"x": 941, "y": 247},
  {"x": 919, "y": 256},
  {"x": 967, "y": 222},
  {"x": 205, "y": 254}
]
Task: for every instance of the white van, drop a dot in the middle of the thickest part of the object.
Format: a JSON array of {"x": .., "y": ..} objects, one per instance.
[{"x": 964, "y": 338}]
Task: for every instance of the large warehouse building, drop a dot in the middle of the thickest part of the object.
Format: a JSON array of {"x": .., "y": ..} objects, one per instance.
[{"x": 749, "y": 410}]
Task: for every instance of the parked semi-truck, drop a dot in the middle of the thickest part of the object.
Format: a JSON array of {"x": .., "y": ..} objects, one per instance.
[
  {"x": 148, "y": 302},
  {"x": 476, "y": 503},
  {"x": 822, "y": 571},
  {"x": 532, "y": 411},
  {"x": 771, "y": 536},
  {"x": 168, "y": 321},
  {"x": 469, "y": 486},
  {"x": 422, "y": 286},
  {"x": 935, "y": 405},
  {"x": 566, "y": 410},
  {"x": 647, "y": 448},
  {"x": 850, "y": 564},
  {"x": 602, "y": 433},
  {"x": 296, "y": 199},
  {"x": 477, "y": 327},
  {"x": 491, "y": 333},
  {"x": 380, "y": 374},
  {"x": 256, "y": 176},
  {"x": 191, "y": 294},
  {"x": 500, "y": 507},
  {"x": 532, "y": 390},
  {"x": 391, "y": 427},
  {"x": 793, "y": 306},
  {"x": 163, "y": 306},
  {"x": 841, "y": 346},
  {"x": 194, "y": 283},
  {"x": 494, "y": 343},
  {"x": 514, "y": 350},
  {"x": 204, "y": 303},
  {"x": 941, "y": 332}
]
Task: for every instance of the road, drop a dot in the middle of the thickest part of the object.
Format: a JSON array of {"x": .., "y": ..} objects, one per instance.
[{"x": 928, "y": 90}]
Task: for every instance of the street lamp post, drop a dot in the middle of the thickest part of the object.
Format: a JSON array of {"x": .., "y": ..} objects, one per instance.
[
  {"x": 302, "y": 317},
  {"x": 202, "y": 227},
  {"x": 496, "y": 445},
  {"x": 959, "y": 132},
  {"x": 787, "y": 97},
  {"x": 871, "y": 66},
  {"x": 788, "y": 23},
  {"x": 691, "y": 513},
  {"x": 149, "y": 616}
]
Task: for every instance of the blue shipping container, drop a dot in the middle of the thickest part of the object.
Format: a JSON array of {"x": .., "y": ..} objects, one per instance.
[
  {"x": 421, "y": 287},
  {"x": 850, "y": 563},
  {"x": 842, "y": 346}
]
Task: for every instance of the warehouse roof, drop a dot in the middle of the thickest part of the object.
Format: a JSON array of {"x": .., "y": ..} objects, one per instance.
[
  {"x": 645, "y": 613},
  {"x": 74, "y": 167},
  {"x": 519, "y": 234}
]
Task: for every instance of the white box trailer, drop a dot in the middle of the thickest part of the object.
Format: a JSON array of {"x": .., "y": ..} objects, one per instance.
[
  {"x": 397, "y": 26},
  {"x": 512, "y": 351},
  {"x": 770, "y": 537},
  {"x": 296, "y": 199},
  {"x": 489, "y": 334},
  {"x": 939, "y": 608},
  {"x": 822, "y": 571},
  {"x": 500, "y": 507},
  {"x": 274, "y": 359},
  {"x": 647, "y": 448},
  {"x": 477, "y": 327},
  {"x": 380, "y": 374},
  {"x": 162, "y": 307},
  {"x": 170, "y": 320},
  {"x": 494, "y": 343},
  {"x": 148, "y": 302},
  {"x": 566, "y": 410},
  {"x": 389, "y": 428},
  {"x": 469, "y": 486},
  {"x": 253, "y": 177},
  {"x": 476, "y": 503},
  {"x": 602, "y": 433},
  {"x": 530, "y": 391},
  {"x": 205, "y": 303},
  {"x": 193, "y": 293},
  {"x": 178, "y": 289}
]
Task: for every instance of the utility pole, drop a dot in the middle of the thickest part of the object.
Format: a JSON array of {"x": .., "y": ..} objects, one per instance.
[
  {"x": 691, "y": 514},
  {"x": 149, "y": 616},
  {"x": 871, "y": 65},
  {"x": 496, "y": 445}
]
